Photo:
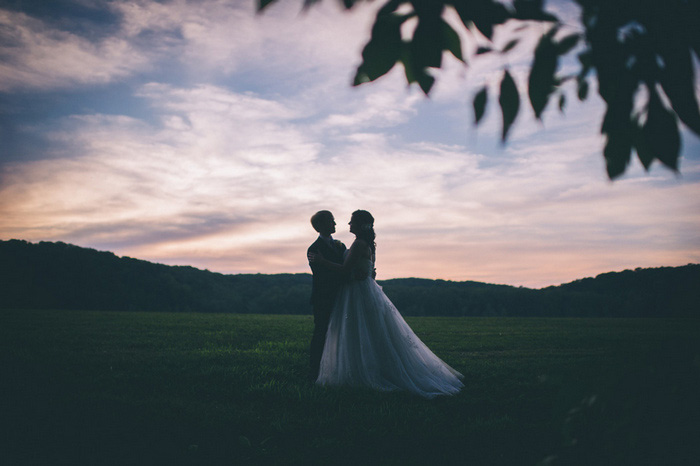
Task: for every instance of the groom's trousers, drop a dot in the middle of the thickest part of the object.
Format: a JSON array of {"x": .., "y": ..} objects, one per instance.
[{"x": 322, "y": 316}]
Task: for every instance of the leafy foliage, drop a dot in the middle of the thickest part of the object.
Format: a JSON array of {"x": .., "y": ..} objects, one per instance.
[
  {"x": 480, "y": 104},
  {"x": 510, "y": 102},
  {"x": 62, "y": 276},
  {"x": 634, "y": 49},
  {"x": 542, "y": 82}
]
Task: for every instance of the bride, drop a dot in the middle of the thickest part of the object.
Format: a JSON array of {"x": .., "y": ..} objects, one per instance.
[{"x": 368, "y": 342}]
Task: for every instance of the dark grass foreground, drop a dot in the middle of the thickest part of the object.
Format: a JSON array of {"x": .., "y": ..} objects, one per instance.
[{"x": 152, "y": 388}]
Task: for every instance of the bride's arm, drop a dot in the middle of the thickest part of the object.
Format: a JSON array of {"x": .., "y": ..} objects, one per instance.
[{"x": 350, "y": 259}]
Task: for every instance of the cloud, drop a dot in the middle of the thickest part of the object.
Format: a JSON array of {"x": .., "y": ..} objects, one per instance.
[
  {"x": 207, "y": 40},
  {"x": 36, "y": 55},
  {"x": 220, "y": 37},
  {"x": 227, "y": 181},
  {"x": 220, "y": 165}
]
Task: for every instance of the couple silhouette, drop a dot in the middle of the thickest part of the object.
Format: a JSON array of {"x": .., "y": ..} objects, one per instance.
[{"x": 360, "y": 339}]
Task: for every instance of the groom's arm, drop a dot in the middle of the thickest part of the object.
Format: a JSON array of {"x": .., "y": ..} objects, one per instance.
[{"x": 328, "y": 262}]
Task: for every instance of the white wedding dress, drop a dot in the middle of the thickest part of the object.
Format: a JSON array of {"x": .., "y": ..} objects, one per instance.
[{"x": 369, "y": 344}]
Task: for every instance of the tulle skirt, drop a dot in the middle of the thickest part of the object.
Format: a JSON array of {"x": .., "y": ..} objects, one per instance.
[{"x": 370, "y": 344}]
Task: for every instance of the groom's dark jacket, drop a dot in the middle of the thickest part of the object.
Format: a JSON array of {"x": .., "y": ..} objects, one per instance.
[{"x": 326, "y": 282}]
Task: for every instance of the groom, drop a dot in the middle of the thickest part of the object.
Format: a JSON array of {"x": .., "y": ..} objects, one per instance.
[{"x": 325, "y": 283}]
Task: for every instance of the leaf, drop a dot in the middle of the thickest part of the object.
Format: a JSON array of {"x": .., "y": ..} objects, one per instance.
[
  {"x": 641, "y": 146},
  {"x": 586, "y": 59},
  {"x": 426, "y": 45},
  {"x": 451, "y": 41},
  {"x": 389, "y": 7},
  {"x": 426, "y": 81},
  {"x": 661, "y": 132},
  {"x": 620, "y": 130},
  {"x": 620, "y": 102},
  {"x": 678, "y": 82},
  {"x": 617, "y": 154},
  {"x": 360, "y": 77},
  {"x": 567, "y": 43},
  {"x": 482, "y": 14},
  {"x": 532, "y": 10},
  {"x": 262, "y": 4},
  {"x": 484, "y": 26},
  {"x": 409, "y": 67},
  {"x": 479, "y": 104},
  {"x": 414, "y": 73},
  {"x": 383, "y": 50},
  {"x": 541, "y": 81},
  {"x": 509, "y": 46},
  {"x": 509, "y": 101},
  {"x": 586, "y": 63},
  {"x": 582, "y": 89}
]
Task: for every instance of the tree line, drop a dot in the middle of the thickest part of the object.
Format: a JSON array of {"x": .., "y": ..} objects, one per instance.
[{"x": 56, "y": 275}]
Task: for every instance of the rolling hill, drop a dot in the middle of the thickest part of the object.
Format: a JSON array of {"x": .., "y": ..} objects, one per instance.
[{"x": 50, "y": 275}]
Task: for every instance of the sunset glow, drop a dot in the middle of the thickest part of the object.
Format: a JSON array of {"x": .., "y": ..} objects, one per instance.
[{"x": 202, "y": 134}]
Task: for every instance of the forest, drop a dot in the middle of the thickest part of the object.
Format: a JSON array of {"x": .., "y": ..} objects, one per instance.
[{"x": 56, "y": 275}]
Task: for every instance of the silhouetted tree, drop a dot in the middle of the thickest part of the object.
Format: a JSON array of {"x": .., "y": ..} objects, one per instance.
[{"x": 637, "y": 51}]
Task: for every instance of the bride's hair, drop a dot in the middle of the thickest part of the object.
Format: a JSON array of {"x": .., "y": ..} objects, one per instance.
[{"x": 364, "y": 222}]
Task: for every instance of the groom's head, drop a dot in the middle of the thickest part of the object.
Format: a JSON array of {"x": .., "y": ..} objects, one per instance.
[{"x": 323, "y": 222}]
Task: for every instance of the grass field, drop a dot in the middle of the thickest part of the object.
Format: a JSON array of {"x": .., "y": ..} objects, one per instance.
[{"x": 152, "y": 388}]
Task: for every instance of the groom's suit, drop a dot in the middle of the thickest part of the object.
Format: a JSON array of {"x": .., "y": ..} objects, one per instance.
[{"x": 324, "y": 288}]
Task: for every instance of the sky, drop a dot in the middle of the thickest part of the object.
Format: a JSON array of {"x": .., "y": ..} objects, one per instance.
[{"x": 201, "y": 133}]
